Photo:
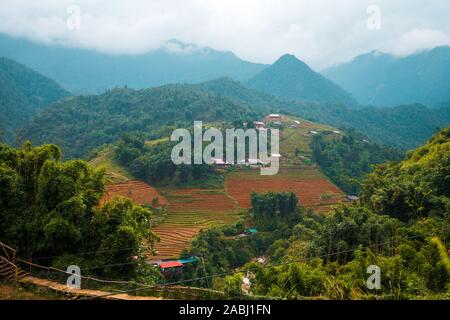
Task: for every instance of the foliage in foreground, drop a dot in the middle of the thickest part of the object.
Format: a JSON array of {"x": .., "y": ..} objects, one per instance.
[{"x": 49, "y": 208}]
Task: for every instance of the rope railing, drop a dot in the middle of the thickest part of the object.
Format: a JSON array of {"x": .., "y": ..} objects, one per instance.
[
  {"x": 9, "y": 252},
  {"x": 93, "y": 283}
]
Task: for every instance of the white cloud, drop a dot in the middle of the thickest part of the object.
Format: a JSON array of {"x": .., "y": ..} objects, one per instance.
[
  {"x": 419, "y": 39},
  {"x": 320, "y": 32}
]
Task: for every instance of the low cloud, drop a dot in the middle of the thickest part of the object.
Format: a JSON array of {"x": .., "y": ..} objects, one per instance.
[
  {"x": 420, "y": 39},
  {"x": 321, "y": 33}
]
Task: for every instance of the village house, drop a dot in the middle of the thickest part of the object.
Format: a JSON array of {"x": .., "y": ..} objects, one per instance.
[
  {"x": 171, "y": 267},
  {"x": 273, "y": 117},
  {"x": 259, "y": 125},
  {"x": 350, "y": 197},
  {"x": 219, "y": 162},
  {"x": 276, "y": 155}
]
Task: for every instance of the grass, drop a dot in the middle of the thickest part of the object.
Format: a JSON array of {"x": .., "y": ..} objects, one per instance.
[
  {"x": 114, "y": 172},
  {"x": 9, "y": 291},
  {"x": 298, "y": 138},
  {"x": 154, "y": 142},
  {"x": 290, "y": 172}
]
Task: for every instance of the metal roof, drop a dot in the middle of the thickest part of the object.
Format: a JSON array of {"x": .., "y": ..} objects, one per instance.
[{"x": 170, "y": 264}]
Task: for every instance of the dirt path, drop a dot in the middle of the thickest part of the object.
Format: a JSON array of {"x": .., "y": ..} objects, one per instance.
[{"x": 81, "y": 292}]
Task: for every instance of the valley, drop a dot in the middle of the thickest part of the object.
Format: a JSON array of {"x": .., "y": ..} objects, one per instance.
[{"x": 191, "y": 209}]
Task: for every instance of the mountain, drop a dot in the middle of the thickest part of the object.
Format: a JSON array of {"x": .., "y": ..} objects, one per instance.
[
  {"x": 23, "y": 93},
  {"x": 384, "y": 80},
  {"x": 405, "y": 126},
  {"x": 291, "y": 78},
  {"x": 239, "y": 93},
  {"x": 85, "y": 71},
  {"x": 80, "y": 124}
]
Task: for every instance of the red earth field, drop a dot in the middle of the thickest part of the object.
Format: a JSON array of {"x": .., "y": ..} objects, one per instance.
[
  {"x": 135, "y": 190},
  {"x": 189, "y": 211},
  {"x": 311, "y": 188}
]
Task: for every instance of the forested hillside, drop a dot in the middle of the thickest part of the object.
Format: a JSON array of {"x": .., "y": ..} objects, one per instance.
[
  {"x": 292, "y": 79},
  {"x": 404, "y": 127},
  {"x": 347, "y": 159},
  {"x": 239, "y": 93},
  {"x": 79, "y": 124},
  {"x": 415, "y": 188},
  {"x": 23, "y": 93}
]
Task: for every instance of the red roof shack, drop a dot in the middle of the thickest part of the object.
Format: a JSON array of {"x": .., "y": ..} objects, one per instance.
[{"x": 170, "y": 264}]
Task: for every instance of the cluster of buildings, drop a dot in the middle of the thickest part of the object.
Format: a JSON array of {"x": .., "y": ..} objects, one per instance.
[{"x": 251, "y": 162}]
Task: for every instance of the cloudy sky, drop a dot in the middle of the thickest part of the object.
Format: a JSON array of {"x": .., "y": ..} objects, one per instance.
[{"x": 319, "y": 32}]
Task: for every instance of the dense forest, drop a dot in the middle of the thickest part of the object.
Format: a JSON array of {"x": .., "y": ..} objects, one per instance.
[
  {"x": 50, "y": 208},
  {"x": 401, "y": 224},
  {"x": 79, "y": 124},
  {"x": 347, "y": 159},
  {"x": 152, "y": 162}
]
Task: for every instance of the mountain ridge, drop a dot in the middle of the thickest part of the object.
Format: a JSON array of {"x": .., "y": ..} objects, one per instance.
[
  {"x": 382, "y": 79},
  {"x": 85, "y": 71},
  {"x": 293, "y": 79}
]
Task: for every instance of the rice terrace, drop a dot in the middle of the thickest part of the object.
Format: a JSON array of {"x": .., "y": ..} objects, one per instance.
[{"x": 188, "y": 210}]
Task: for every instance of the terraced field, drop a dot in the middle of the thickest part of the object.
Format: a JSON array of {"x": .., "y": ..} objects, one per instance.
[
  {"x": 219, "y": 201},
  {"x": 311, "y": 187},
  {"x": 189, "y": 211},
  {"x": 135, "y": 190}
]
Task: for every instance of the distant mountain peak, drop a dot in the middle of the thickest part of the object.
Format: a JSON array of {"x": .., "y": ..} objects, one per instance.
[
  {"x": 291, "y": 78},
  {"x": 290, "y": 59},
  {"x": 377, "y": 53},
  {"x": 287, "y": 57}
]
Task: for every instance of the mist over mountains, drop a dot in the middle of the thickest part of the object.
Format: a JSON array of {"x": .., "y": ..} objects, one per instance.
[
  {"x": 83, "y": 71},
  {"x": 381, "y": 79},
  {"x": 374, "y": 78}
]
